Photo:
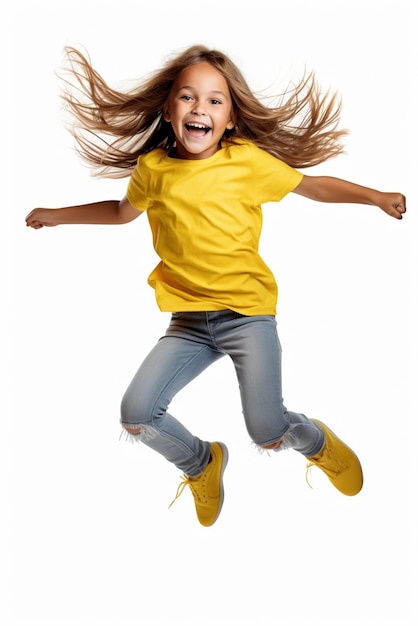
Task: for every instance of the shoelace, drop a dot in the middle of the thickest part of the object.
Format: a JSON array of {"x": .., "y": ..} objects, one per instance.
[
  {"x": 180, "y": 489},
  {"x": 199, "y": 494},
  {"x": 327, "y": 459},
  {"x": 308, "y": 467}
]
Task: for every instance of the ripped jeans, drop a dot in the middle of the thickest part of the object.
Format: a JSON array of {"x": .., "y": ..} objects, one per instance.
[{"x": 193, "y": 341}]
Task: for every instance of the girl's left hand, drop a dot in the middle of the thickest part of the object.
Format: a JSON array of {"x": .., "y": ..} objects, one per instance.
[{"x": 394, "y": 204}]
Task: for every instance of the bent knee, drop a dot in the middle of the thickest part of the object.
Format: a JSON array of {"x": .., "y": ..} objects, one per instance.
[
  {"x": 133, "y": 429},
  {"x": 271, "y": 446}
]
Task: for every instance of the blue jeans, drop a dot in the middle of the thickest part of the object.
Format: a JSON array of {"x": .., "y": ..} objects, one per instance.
[{"x": 193, "y": 341}]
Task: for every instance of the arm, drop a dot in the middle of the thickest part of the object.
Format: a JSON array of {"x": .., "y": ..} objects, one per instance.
[
  {"x": 329, "y": 189},
  {"x": 105, "y": 212}
]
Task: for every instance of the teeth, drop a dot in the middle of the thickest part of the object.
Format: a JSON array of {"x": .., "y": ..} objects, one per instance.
[{"x": 194, "y": 125}]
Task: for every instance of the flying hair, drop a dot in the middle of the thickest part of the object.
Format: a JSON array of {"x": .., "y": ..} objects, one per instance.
[{"x": 113, "y": 128}]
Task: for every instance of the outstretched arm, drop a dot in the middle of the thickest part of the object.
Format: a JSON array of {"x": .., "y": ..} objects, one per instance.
[
  {"x": 105, "y": 212},
  {"x": 329, "y": 189}
]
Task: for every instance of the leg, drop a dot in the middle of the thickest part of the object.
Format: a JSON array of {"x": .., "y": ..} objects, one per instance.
[
  {"x": 171, "y": 365},
  {"x": 254, "y": 347}
]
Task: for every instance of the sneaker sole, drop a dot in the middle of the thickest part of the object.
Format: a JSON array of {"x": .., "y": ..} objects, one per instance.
[
  {"x": 225, "y": 458},
  {"x": 359, "y": 486}
]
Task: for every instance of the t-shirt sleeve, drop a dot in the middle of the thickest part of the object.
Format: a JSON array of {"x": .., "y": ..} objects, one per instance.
[
  {"x": 273, "y": 178},
  {"x": 138, "y": 187}
]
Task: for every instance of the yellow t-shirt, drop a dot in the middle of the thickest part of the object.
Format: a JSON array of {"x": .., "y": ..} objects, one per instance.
[{"x": 205, "y": 216}]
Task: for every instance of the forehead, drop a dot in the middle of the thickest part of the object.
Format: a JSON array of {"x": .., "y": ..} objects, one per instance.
[{"x": 201, "y": 75}]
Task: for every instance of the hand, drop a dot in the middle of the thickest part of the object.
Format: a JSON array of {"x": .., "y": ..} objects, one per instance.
[
  {"x": 42, "y": 217},
  {"x": 394, "y": 204}
]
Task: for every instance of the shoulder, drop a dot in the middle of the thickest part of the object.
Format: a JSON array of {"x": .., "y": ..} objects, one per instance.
[
  {"x": 248, "y": 151},
  {"x": 240, "y": 151},
  {"x": 145, "y": 174},
  {"x": 149, "y": 159},
  {"x": 269, "y": 177},
  {"x": 149, "y": 165},
  {"x": 239, "y": 146}
]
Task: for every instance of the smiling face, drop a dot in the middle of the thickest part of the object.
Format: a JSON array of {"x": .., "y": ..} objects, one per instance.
[{"x": 199, "y": 109}]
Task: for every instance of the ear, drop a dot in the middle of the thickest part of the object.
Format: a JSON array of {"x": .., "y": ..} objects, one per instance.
[
  {"x": 166, "y": 114},
  {"x": 232, "y": 121}
]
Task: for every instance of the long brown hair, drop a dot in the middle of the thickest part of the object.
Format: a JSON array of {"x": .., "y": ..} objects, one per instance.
[{"x": 112, "y": 128}]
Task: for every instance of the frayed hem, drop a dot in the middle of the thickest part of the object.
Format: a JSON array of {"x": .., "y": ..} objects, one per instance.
[
  {"x": 287, "y": 442},
  {"x": 147, "y": 433},
  {"x": 261, "y": 450},
  {"x": 129, "y": 437}
]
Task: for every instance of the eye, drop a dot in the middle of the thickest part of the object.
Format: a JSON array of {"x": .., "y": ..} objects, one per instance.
[
  {"x": 186, "y": 97},
  {"x": 215, "y": 101}
]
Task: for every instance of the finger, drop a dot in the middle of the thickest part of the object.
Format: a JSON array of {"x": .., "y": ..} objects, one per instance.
[
  {"x": 393, "y": 212},
  {"x": 400, "y": 209}
]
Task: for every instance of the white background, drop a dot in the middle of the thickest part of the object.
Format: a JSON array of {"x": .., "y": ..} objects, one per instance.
[{"x": 93, "y": 540}]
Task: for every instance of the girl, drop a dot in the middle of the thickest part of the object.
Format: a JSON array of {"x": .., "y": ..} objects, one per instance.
[{"x": 203, "y": 154}]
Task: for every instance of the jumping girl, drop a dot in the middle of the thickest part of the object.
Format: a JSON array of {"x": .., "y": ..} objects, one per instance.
[{"x": 203, "y": 154}]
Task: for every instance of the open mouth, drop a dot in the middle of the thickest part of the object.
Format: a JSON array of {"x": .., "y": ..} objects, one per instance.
[{"x": 198, "y": 130}]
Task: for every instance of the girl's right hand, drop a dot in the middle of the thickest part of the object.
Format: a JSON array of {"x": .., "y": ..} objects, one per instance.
[
  {"x": 42, "y": 217},
  {"x": 102, "y": 212}
]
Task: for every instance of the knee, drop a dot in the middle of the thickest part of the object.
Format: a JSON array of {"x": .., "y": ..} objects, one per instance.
[
  {"x": 133, "y": 413},
  {"x": 132, "y": 429},
  {"x": 271, "y": 446},
  {"x": 135, "y": 419},
  {"x": 130, "y": 419}
]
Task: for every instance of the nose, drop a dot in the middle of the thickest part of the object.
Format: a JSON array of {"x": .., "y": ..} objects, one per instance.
[{"x": 198, "y": 108}]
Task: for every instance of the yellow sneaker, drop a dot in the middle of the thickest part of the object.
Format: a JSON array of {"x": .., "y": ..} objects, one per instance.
[
  {"x": 207, "y": 489},
  {"x": 339, "y": 463}
]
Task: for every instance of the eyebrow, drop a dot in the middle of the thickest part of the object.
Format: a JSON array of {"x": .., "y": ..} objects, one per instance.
[{"x": 215, "y": 91}]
